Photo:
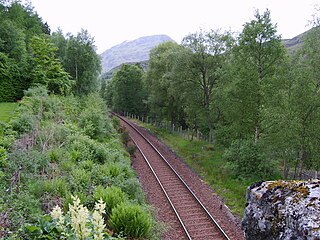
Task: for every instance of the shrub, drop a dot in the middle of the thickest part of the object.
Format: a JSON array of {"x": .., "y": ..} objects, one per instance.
[
  {"x": 132, "y": 188},
  {"x": 30, "y": 162},
  {"x": 131, "y": 220},
  {"x": 52, "y": 135},
  {"x": 246, "y": 159},
  {"x": 93, "y": 123},
  {"x": 80, "y": 179},
  {"x": 53, "y": 108},
  {"x": 7, "y": 135},
  {"x": 57, "y": 154},
  {"x": 24, "y": 124},
  {"x": 83, "y": 148},
  {"x": 94, "y": 119},
  {"x": 26, "y": 209},
  {"x": 111, "y": 196},
  {"x": 119, "y": 170}
]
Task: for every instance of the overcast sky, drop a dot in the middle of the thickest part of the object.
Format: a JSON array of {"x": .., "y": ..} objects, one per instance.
[{"x": 111, "y": 22}]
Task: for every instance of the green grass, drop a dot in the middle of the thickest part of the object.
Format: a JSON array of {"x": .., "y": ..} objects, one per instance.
[
  {"x": 7, "y": 110},
  {"x": 207, "y": 161}
]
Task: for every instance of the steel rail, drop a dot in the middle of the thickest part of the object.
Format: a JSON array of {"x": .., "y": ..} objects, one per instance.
[
  {"x": 162, "y": 188},
  {"x": 176, "y": 173}
]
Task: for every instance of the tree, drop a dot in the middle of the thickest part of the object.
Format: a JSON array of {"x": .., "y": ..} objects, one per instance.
[
  {"x": 303, "y": 106},
  {"x": 18, "y": 23},
  {"x": 128, "y": 92},
  {"x": 47, "y": 69},
  {"x": 83, "y": 63},
  {"x": 165, "y": 93},
  {"x": 255, "y": 78},
  {"x": 205, "y": 61}
]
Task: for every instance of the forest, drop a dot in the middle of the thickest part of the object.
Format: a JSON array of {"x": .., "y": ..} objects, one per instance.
[
  {"x": 64, "y": 170},
  {"x": 254, "y": 101},
  {"x": 246, "y": 93}
]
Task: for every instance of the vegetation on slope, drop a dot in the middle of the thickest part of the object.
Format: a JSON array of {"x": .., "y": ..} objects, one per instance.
[{"x": 67, "y": 153}]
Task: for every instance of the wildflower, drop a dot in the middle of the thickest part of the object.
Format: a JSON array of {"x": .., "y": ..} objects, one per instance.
[
  {"x": 79, "y": 217},
  {"x": 56, "y": 213},
  {"x": 97, "y": 220}
]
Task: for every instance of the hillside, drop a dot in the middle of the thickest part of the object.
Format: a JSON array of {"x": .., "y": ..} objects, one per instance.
[
  {"x": 295, "y": 43},
  {"x": 131, "y": 51}
]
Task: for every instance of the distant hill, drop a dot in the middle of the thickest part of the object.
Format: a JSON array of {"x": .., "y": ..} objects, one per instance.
[
  {"x": 108, "y": 75},
  {"x": 295, "y": 43},
  {"x": 131, "y": 51}
]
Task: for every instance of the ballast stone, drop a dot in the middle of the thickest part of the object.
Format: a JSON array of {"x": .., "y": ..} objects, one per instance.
[{"x": 283, "y": 210}]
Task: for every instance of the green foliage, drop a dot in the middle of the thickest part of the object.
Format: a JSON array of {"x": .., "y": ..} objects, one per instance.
[
  {"x": 82, "y": 62},
  {"x": 162, "y": 85},
  {"x": 128, "y": 91},
  {"x": 11, "y": 84},
  {"x": 57, "y": 159},
  {"x": 26, "y": 209},
  {"x": 131, "y": 220},
  {"x": 83, "y": 148},
  {"x": 47, "y": 68},
  {"x": 111, "y": 196},
  {"x": 24, "y": 124},
  {"x": 93, "y": 119},
  {"x": 246, "y": 159},
  {"x": 7, "y": 111},
  {"x": 256, "y": 73},
  {"x": 18, "y": 24},
  {"x": 29, "y": 162},
  {"x": 79, "y": 180},
  {"x": 132, "y": 188}
]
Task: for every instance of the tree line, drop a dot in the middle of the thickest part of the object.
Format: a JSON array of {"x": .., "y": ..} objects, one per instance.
[
  {"x": 245, "y": 92},
  {"x": 30, "y": 54}
]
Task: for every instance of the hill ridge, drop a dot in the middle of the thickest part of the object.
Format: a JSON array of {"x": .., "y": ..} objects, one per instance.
[{"x": 136, "y": 50}]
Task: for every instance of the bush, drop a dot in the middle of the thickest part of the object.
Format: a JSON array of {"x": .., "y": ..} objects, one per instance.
[
  {"x": 111, "y": 196},
  {"x": 246, "y": 159},
  {"x": 30, "y": 162},
  {"x": 94, "y": 119},
  {"x": 26, "y": 209},
  {"x": 131, "y": 220},
  {"x": 80, "y": 179},
  {"x": 83, "y": 148},
  {"x": 132, "y": 188},
  {"x": 24, "y": 124},
  {"x": 118, "y": 170}
]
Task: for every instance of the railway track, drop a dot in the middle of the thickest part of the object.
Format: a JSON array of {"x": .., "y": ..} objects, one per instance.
[{"x": 194, "y": 218}]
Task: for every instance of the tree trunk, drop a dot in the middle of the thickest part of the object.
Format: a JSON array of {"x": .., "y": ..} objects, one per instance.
[
  {"x": 286, "y": 169},
  {"x": 257, "y": 134}
]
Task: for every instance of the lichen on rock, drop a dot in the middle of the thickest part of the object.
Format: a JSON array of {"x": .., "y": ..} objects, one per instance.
[{"x": 283, "y": 210}]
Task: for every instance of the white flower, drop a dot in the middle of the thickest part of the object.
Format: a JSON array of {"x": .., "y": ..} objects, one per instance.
[
  {"x": 79, "y": 217},
  {"x": 56, "y": 213},
  {"x": 97, "y": 220}
]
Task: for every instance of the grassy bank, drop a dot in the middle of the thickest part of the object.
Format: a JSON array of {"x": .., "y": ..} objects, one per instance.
[
  {"x": 7, "y": 110},
  {"x": 208, "y": 162},
  {"x": 68, "y": 169}
]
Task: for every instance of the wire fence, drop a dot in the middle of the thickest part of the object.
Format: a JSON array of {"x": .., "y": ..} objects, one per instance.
[{"x": 189, "y": 134}]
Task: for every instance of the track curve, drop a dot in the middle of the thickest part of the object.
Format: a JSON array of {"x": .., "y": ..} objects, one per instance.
[{"x": 194, "y": 218}]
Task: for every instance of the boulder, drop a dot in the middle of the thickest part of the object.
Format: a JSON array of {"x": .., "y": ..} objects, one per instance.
[{"x": 282, "y": 210}]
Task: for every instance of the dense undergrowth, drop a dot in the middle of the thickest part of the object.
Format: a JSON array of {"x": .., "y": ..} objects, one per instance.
[{"x": 64, "y": 153}]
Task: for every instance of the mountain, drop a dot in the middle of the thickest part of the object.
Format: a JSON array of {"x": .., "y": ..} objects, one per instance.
[
  {"x": 295, "y": 43},
  {"x": 131, "y": 51}
]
